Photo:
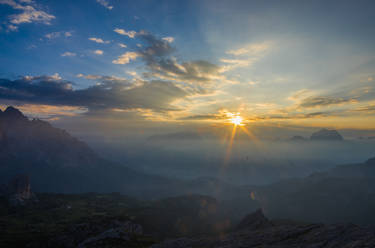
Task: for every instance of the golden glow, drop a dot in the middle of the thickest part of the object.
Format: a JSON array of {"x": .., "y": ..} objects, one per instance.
[{"x": 236, "y": 120}]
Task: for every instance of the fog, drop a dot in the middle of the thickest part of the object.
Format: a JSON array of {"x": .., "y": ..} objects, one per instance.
[{"x": 246, "y": 163}]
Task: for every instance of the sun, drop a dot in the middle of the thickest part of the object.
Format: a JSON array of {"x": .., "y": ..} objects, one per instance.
[{"x": 236, "y": 120}]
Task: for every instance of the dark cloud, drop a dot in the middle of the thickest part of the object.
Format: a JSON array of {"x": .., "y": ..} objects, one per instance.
[
  {"x": 366, "y": 109},
  {"x": 298, "y": 116},
  {"x": 109, "y": 93},
  {"x": 322, "y": 101},
  {"x": 289, "y": 116},
  {"x": 205, "y": 117},
  {"x": 156, "y": 53}
]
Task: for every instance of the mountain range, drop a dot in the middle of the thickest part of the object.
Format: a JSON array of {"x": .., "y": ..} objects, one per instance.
[
  {"x": 345, "y": 193},
  {"x": 58, "y": 162}
]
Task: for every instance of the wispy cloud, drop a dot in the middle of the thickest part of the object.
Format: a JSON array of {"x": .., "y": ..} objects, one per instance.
[
  {"x": 251, "y": 49},
  {"x": 68, "y": 54},
  {"x": 169, "y": 39},
  {"x": 29, "y": 13},
  {"x": 122, "y": 45},
  {"x": 323, "y": 101},
  {"x": 130, "y": 34},
  {"x": 98, "y": 52},
  {"x": 105, "y": 3},
  {"x": 58, "y": 34},
  {"x": 126, "y": 58},
  {"x": 99, "y": 40}
]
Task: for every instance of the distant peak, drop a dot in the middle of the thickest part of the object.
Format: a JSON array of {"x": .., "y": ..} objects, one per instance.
[
  {"x": 371, "y": 161},
  {"x": 13, "y": 113},
  {"x": 326, "y": 134}
]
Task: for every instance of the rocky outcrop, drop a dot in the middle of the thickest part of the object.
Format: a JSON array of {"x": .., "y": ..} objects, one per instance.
[
  {"x": 99, "y": 234},
  {"x": 254, "y": 221},
  {"x": 18, "y": 191},
  {"x": 326, "y": 135},
  {"x": 282, "y": 236},
  {"x": 123, "y": 232}
]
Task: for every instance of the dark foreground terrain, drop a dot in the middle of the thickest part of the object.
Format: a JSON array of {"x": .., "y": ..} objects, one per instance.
[{"x": 114, "y": 220}]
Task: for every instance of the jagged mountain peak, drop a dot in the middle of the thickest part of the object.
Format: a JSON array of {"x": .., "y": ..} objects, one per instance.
[{"x": 12, "y": 113}]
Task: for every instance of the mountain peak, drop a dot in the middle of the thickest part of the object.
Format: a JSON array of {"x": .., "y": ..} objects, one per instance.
[
  {"x": 254, "y": 221},
  {"x": 13, "y": 114},
  {"x": 326, "y": 134},
  {"x": 371, "y": 161}
]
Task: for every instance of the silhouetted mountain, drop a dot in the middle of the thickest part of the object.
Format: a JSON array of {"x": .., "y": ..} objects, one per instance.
[
  {"x": 345, "y": 193},
  {"x": 58, "y": 162},
  {"x": 297, "y": 138},
  {"x": 326, "y": 134}
]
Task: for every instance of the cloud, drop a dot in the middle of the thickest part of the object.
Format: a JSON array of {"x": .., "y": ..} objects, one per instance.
[
  {"x": 156, "y": 54},
  {"x": 169, "y": 39},
  {"x": 130, "y": 34},
  {"x": 107, "y": 94},
  {"x": 50, "y": 112},
  {"x": 235, "y": 63},
  {"x": 29, "y": 13},
  {"x": 68, "y": 54},
  {"x": 122, "y": 45},
  {"x": 296, "y": 96},
  {"x": 204, "y": 117},
  {"x": 126, "y": 58},
  {"x": 251, "y": 49},
  {"x": 105, "y": 4},
  {"x": 55, "y": 35},
  {"x": 366, "y": 109},
  {"x": 98, "y": 52},
  {"x": 323, "y": 101},
  {"x": 99, "y": 40}
]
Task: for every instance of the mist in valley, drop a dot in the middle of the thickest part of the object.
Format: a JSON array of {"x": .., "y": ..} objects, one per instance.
[{"x": 246, "y": 163}]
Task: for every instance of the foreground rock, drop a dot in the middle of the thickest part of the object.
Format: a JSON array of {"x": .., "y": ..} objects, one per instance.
[
  {"x": 264, "y": 233},
  {"x": 18, "y": 191},
  {"x": 106, "y": 234}
]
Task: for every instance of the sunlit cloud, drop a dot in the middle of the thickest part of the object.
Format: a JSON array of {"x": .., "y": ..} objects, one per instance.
[
  {"x": 122, "y": 45},
  {"x": 252, "y": 49},
  {"x": 50, "y": 112},
  {"x": 321, "y": 101},
  {"x": 99, "y": 40},
  {"x": 105, "y": 3},
  {"x": 98, "y": 52},
  {"x": 169, "y": 39},
  {"x": 130, "y": 34},
  {"x": 68, "y": 54},
  {"x": 126, "y": 58},
  {"x": 29, "y": 13}
]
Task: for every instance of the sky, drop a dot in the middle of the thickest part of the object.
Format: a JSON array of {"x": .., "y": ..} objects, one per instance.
[{"x": 152, "y": 66}]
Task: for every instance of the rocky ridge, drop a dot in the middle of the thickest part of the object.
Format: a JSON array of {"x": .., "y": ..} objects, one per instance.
[{"x": 257, "y": 231}]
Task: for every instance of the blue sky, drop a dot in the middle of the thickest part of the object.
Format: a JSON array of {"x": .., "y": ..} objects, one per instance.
[{"x": 289, "y": 63}]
